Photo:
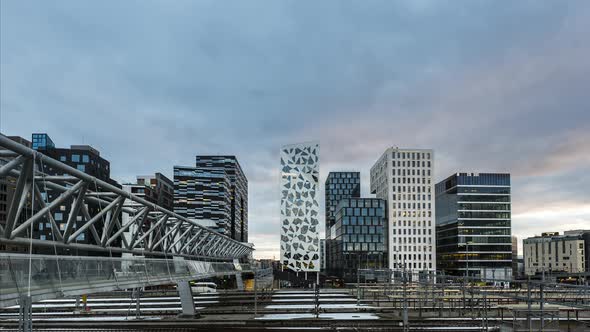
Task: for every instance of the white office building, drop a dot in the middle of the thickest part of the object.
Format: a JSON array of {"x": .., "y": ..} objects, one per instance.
[
  {"x": 300, "y": 233},
  {"x": 403, "y": 177}
]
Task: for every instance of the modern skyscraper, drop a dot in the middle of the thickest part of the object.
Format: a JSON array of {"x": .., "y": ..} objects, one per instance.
[
  {"x": 238, "y": 192},
  {"x": 338, "y": 186},
  {"x": 403, "y": 177},
  {"x": 300, "y": 238},
  {"x": 473, "y": 225},
  {"x": 359, "y": 241},
  {"x": 203, "y": 194}
]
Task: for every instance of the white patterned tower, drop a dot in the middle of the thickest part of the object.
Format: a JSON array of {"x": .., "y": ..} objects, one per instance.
[{"x": 300, "y": 237}]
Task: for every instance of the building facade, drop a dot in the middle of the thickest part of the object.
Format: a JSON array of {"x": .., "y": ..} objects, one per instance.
[
  {"x": 552, "y": 253},
  {"x": 359, "y": 241},
  {"x": 85, "y": 159},
  {"x": 162, "y": 187},
  {"x": 338, "y": 186},
  {"x": 403, "y": 177},
  {"x": 238, "y": 229},
  {"x": 204, "y": 195},
  {"x": 473, "y": 225},
  {"x": 300, "y": 237}
]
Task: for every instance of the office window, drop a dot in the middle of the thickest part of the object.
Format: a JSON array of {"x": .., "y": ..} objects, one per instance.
[
  {"x": 76, "y": 158},
  {"x": 85, "y": 158},
  {"x": 81, "y": 167}
]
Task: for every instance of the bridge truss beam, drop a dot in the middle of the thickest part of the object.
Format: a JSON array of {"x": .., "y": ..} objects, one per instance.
[{"x": 150, "y": 230}]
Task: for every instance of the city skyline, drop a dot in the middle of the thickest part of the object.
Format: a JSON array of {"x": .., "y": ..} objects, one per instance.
[{"x": 513, "y": 102}]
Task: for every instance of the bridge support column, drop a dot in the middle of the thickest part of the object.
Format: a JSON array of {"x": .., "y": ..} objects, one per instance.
[
  {"x": 25, "y": 314},
  {"x": 239, "y": 282},
  {"x": 186, "y": 298}
]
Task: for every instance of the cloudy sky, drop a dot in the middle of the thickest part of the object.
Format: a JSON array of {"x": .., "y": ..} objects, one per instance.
[{"x": 499, "y": 86}]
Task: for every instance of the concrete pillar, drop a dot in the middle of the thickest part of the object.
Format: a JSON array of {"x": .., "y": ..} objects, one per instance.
[
  {"x": 239, "y": 282},
  {"x": 186, "y": 298},
  {"x": 25, "y": 314}
]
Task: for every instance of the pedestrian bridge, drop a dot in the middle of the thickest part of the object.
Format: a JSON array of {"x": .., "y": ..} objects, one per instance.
[{"x": 63, "y": 276}]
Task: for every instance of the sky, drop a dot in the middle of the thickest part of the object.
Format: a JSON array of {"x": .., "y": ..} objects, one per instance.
[{"x": 491, "y": 86}]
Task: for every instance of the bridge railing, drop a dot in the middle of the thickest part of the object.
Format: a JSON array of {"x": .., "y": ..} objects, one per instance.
[{"x": 57, "y": 276}]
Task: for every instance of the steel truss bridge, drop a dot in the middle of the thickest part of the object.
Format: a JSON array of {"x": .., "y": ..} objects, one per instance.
[{"x": 157, "y": 246}]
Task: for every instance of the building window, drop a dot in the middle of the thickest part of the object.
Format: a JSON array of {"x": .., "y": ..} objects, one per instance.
[
  {"x": 81, "y": 167},
  {"x": 85, "y": 158},
  {"x": 76, "y": 158},
  {"x": 62, "y": 158},
  {"x": 58, "y": 216}
]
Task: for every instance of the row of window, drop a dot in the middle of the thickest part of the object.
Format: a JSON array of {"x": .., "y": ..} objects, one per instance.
[
  {"x": 413, "y": 164},
  {"x": 410, "y": 155},
  {"x": 413, "y": 214},
  {"x": 417, "y": 248},
  {"x": 418, "y": 240},
  {"x": 411, "y": 223},
  {"x": 410, "y": 189},
  {"x": 411, "y": 172}
]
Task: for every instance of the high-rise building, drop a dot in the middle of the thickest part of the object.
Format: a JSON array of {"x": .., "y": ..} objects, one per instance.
[
  {"x": 82, "y": 157},
  {"x": 359, "y": 241},
  {"x": 473, "y": 225},
  {"x": 403, "y": 177},
  {"x": 238, "y": 228},
  {"x": 552, "y": 253},
  {"x": 338, "y": 186},
  {"x": 203, "y": 194},
  {"x": 162, "y": 187},
  {"x": 300, "y": 238}
]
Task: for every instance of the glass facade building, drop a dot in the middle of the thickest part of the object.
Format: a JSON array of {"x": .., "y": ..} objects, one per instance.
[
  {"x": 203, "y": 194},
  {"x": 473, "y": 225},
  {"x": 300, "y": 233},
  {"x": 359, "y": 241},
  {"x": 238, "y": 228},
  {"x": 338, "y": 186}
]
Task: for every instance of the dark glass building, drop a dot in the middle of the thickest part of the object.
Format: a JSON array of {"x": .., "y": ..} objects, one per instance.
[
  {"x": 84, "y": 158},
  {"x": 359, "y": 240},
  {"x": 473, "y": 225},
  {"x": 203, "y": 194},
  {"x": 338, "y": 186},
  {"x": 238, "y": 223}
]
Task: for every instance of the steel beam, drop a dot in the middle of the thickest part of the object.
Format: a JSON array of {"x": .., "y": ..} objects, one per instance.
[
  {"x": 124, "y": 228},
  {"x": 47, "y": 209},
  {"x": 18, "y": 193},
  {"x": 75, "y": 211},
  {"x": 153, "y": 228},
  {"x": 94, "y": 219},
  {"x": 187, "y": 243},
  {"x": 54, "y": 227},
  {"x": 4, "y": 170}
]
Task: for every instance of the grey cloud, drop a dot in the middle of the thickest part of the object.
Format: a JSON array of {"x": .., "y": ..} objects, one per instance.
[{"x": 490, "y": 87}]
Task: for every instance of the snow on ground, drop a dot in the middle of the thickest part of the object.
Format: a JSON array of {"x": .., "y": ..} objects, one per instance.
[
  {"x": 346, "y": 299},
  {"x": 311, "y": 306},
  {"x": 345, "y": 315}
]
